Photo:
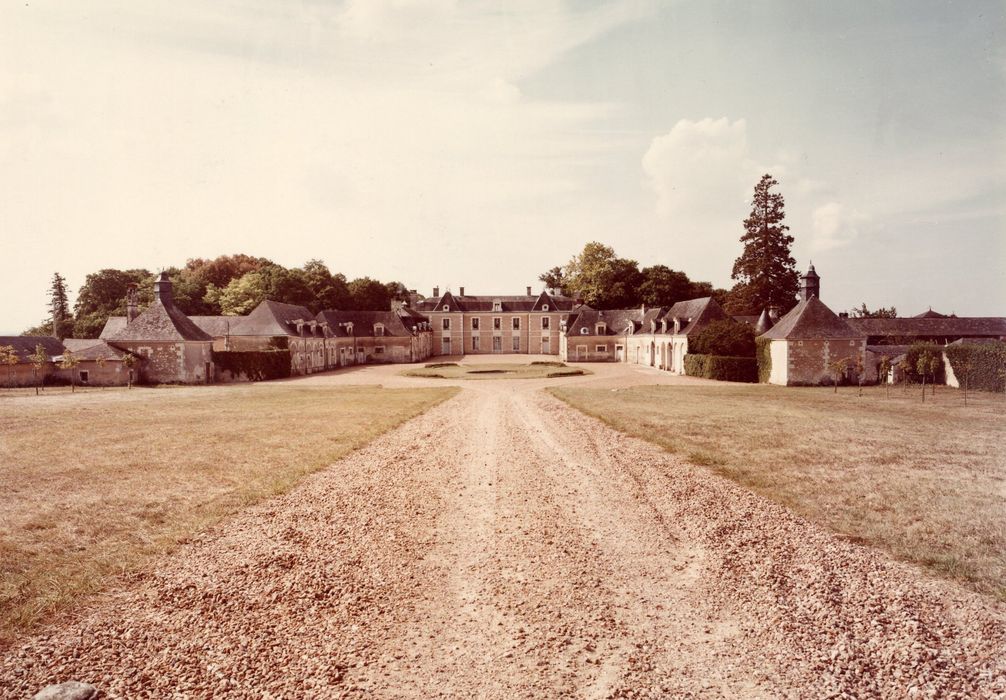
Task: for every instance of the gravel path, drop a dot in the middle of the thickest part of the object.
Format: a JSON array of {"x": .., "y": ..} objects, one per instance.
[{"x": 503, "y": 545}]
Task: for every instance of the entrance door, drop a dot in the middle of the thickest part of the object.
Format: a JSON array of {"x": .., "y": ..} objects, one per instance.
[
  {"x": 581, "y": 353},
  {"x": 445, "y": 346},
  {"x": 619, "y": 353},
  {"x": 497, "y": 343},
  {"x": 546, "y": 347},
  {"x": 361, "y": 356}
]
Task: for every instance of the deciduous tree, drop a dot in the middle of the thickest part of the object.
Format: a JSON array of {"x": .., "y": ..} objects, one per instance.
[
  {"x": 39, "y": 360},
  {"x": 70, "y": 362},
  {"x": 662, "y": 286},
  {"x": 554, "y": 280},
  {"x": 9, "y": 358},
  {"x": 602, "y": 279},
  {"x": 369, "y": 295},
  {"x": 881, "y": 312}
]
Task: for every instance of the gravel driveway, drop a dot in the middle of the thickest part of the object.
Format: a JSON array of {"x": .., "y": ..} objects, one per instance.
[{"x": 505, "y": 546}]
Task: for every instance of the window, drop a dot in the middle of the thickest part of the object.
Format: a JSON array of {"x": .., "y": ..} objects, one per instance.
[
  {"x": 447, "y": 324},
  {"x": 475, "y": 324},
  {"x": 516, "y": 343},
  {"x": 600, "y": 329},
  {"x": 497, "y": 305},
  {"x": 516, "y": 323},
  {"x": 379, "y": 350},
  {"x": 600, "y": 348},
  {"x": 378, "y": 329},
  {"x": 544, "y": 307},
  {"x": 446, "y": 308},
  {"x": 584, "y": 330},
  {"x": 475, "y": 342},
  {"x": 544, "y": 322},
  {"x": 497, "y": 324},
  {"x": 83, "y": 376}
]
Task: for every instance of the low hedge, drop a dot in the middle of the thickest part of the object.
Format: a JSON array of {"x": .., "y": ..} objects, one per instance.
[
  {"x": 255, "y": 365},
  {"x": 722, "y": 367},
  {"x": 763, "y": 354},
  {"x": 988, "y": 365}
]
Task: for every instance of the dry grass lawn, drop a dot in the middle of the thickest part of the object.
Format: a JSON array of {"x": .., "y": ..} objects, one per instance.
[
  {"x": 534, "y": 370},
  {"x": 926, "y": 482},
  {"x": 93, "y": 484}
]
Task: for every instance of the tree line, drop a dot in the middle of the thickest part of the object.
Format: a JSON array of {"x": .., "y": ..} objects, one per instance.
[
  {"x": 229, "y": 285},
  {"x": 765, "y": 273}
]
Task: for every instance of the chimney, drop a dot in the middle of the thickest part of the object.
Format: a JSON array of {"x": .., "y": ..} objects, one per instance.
[
  {"x": 810, "y": 285},
  {"x": 131, "y": 310},
  {"x": 162, "y": 290},
  {"x": 436, "y": 292},
  {"x": 529, "y": 290},
  {"x": 843, "y": 314},
  {"x": 461, "y": 291}
]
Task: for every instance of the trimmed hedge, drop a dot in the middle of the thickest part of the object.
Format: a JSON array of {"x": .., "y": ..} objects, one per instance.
[
  {"x": 722, "y": 367},
  {"x": 913, "y": 354},
  {"x": 255, "y": 365},
  {"x": 988, "y": 365},
  {"x": 763, "y": 354}
]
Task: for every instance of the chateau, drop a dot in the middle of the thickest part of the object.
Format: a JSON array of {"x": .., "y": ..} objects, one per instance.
[{"x": 163, "y": 345}]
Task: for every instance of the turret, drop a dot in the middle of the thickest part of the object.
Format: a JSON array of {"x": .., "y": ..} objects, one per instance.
[{"x": 810, "y": 285}]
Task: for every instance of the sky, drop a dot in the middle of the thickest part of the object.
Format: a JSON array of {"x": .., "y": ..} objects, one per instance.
[{"x": 477, "y": 144}]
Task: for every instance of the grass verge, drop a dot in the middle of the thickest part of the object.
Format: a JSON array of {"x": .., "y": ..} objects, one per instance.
[
  {"x": 926, "y": 482},
  {"x": 97, "y": 483}
]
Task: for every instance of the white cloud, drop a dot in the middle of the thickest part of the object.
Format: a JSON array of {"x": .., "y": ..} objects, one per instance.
[{"x": 834, "y": 226}]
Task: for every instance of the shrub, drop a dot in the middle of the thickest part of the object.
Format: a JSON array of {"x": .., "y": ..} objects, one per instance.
[
  {"x": 763, "y": 354},
  {"x": 255, "y": 365},
  {"x": 722, "y": 367},
  {"x": 988, "y": 364},
  {"x": 917, "y": 350},
  {"x": 727, "y": 338}
]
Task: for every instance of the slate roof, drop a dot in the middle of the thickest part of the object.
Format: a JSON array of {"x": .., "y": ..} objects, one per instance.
[
  {"x": 763, "y": 323},
  {"x": 113, "y": 325},
  {"x": 811, "y": 318},
  {"x": 616, "y": 320},
  {"x": 217, "y": 326},
  {"x": 160, "y": 322},
  {"x": 272, "y": 318},
  {"x": 94, "y": 350},
  {"x": 396, "y": 324},
  {"x": 24, "y": 345},
  {"x": 694, "y": 315},
  {"x": 484, "y": 303},
  {"x": 930, "y": 314},
  {"x": 76, "y": 345},
  {"x": 930, "y": 327}
]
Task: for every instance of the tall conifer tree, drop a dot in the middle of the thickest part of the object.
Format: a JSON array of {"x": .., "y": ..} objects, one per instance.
[
  {"x": 766, "y": 271},
  {"x": 59, "y": 307}
]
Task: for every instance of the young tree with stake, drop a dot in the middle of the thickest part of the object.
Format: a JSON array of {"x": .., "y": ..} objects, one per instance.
[
  {"x": 39, "y": 359},
  {"x": 70, "y": 362}
]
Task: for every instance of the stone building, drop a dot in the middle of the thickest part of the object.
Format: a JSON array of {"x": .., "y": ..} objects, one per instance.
[
  {"x": 173, "y": 350},
  {"x": 810, "y": 338},
  {"x": 24, "y": 372},
  {"x": 273, "y": 325},
  {"x": 98, "y": 363},
  {"x": 656, "y": 337},
  {"x": 468, "y": 325},
  {"x": 378, "y": 336}
]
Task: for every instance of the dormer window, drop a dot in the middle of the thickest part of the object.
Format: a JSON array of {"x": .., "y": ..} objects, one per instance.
[
  {"x": 600, "y": 329},
  {"x": 584, "y": 331},
  {"x": 544, "y": 307},
  {"x": 653, "y": 326},
  {"x": 447, "y": 308},
  {"x": 378, "y": 329},
  {"x": 497, "y": 305}
]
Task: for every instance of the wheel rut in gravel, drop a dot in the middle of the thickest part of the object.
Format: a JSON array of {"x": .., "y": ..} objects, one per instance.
[{"x": 503, "y": 545}]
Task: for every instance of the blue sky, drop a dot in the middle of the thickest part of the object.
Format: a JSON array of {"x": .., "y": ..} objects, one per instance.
[{"x": 477, "y": 144}]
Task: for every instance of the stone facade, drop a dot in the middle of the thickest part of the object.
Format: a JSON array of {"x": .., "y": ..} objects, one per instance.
[{"x": 487, "y": 325}]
